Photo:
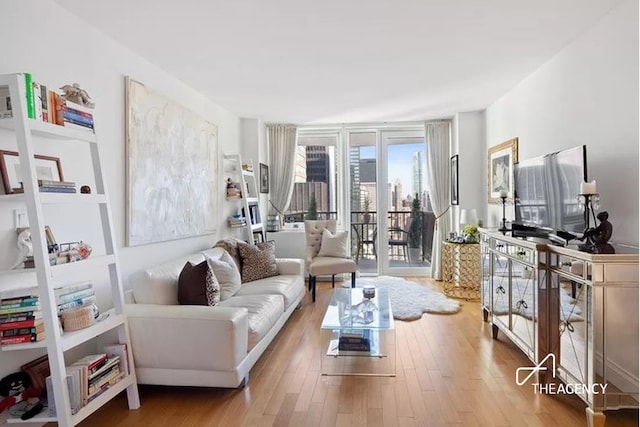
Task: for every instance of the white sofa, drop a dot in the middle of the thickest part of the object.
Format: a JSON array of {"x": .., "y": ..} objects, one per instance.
[{"x": 191, "y": 345}]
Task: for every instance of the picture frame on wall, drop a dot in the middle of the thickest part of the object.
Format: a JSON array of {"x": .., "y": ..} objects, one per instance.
[
  {"x": 455, "y": 187},
  {"x": 47, "y": 168},
  {"x": 264, "y": 178},
  {"x": 501, "y": 159}
]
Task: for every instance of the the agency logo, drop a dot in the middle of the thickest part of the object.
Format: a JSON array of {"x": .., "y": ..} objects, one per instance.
[{"x": 524, "y": 374}]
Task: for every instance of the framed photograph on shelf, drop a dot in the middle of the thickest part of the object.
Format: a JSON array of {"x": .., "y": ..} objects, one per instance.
[
  {"x": 264, "y": 178},
  {"x": 500, "y": 169},
  {"x": 455, "y": 188},
  {"x": 48, "y": 168}
]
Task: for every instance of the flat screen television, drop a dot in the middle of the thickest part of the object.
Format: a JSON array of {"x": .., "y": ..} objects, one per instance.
[{"x": 546, "y": 194}]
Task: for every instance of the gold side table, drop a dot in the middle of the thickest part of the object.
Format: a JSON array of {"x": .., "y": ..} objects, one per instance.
[{"x": 461, "y": 270}]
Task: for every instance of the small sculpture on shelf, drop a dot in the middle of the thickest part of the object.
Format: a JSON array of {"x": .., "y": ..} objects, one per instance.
[
  {"x": 75, "y": 93},
  {"x": 597, "y": 239},
  {"x": 25, "y": 249}
]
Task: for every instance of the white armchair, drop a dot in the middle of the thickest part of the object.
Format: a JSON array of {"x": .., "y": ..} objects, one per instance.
[{"x": 324, "y": 265}]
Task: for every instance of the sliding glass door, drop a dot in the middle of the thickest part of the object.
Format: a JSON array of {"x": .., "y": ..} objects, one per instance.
[{"x": 387, "y": 176}]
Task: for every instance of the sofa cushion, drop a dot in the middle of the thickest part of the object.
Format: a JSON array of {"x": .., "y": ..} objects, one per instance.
[
  {"x": 334, "y": 245},
  {"x": 159, "y": 284},
  {"x": 191, "y": 284},
  {"x": 264, "y": 312},
  {"x": 258, "y": 261},
  {"x": 230, "y": 244},
  {"x": 287, "y": 286},
  {"x": 226, "y": 271}
]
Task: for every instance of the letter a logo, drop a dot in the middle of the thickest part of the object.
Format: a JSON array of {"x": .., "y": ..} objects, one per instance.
[{"x": 539, "y": 367}]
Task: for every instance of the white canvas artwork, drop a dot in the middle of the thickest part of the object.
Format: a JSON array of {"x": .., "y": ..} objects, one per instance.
[{"x": 171, "y": 169}]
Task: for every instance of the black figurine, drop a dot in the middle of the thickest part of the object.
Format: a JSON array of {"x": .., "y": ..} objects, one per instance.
[{"x": 597, "y": 239}]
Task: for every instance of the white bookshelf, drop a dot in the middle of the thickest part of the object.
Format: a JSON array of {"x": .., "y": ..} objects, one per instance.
[{"x": 48, "y": 276}]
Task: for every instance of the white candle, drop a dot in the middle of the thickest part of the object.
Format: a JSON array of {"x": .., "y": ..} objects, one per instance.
[
  {"x": 503, "y": 193},
  {"x": 588, "y": 187}
]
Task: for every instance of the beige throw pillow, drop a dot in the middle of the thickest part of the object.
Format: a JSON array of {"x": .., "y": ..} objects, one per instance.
[
  {"x": 225, "y": 270},
  {"x": 258, "y": 261},
  {"x": 334, "y": 245}
]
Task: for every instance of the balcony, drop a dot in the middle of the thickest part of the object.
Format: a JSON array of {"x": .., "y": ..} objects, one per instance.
[{"x": 364, "y": 238}]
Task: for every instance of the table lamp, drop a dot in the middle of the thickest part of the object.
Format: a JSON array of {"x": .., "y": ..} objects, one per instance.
[{"x": 468, "y": 216}]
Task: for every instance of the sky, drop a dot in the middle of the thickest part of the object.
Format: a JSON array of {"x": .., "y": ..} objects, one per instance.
[{"x": 400, "y": 157}]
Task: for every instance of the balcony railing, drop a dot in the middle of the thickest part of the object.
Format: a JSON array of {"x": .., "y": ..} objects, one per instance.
[{"x": 364, "y": 233}]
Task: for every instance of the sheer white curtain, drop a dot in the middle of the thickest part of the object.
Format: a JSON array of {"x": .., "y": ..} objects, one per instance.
[
  {"x": 438, "y": 138},
  {"x": 282, "y": 157}
]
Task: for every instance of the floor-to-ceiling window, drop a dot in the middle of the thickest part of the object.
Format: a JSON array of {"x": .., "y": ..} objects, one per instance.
[{"x": 367, "y": 178}]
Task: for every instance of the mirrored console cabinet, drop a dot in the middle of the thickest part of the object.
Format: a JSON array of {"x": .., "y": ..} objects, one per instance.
[{"x": 580, "y": 308}]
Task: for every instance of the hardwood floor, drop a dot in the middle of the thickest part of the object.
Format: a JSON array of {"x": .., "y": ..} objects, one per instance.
[{"x": 449, "y": 372}]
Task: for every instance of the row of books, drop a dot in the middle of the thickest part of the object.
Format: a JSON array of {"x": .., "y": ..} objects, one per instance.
[
  {"x": 49, "y": 186},
  {"x": 90, "y": 376},
  {"x": 46, "y": 105},
  {"x": 21, "y": 318},
  {"x": 235, "y": 222},
  {"x": 21, "y": 315},
  {"x": 355, "y": 341}
]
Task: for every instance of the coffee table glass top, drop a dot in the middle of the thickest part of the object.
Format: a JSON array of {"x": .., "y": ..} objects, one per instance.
[{"x": 348, "y": 309}]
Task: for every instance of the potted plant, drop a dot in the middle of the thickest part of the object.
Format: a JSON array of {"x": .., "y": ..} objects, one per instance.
[
  {"x": 471, "y": 233},
  {"x": 366, "y": 218},
  {"x": 312, "y": 213},
  {"x": 415, "y": 231}
]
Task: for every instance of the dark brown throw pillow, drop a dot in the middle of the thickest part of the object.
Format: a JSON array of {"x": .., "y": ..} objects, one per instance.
[
  {"x": 258, "y": 261},
  {"x": 197, "y": 285}
]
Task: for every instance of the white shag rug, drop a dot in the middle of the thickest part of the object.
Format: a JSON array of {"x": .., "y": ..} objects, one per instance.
[{"x": 408, "y": 299}]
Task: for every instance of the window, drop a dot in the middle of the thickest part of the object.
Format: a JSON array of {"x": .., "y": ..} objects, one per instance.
[{"x": 315, "y": 177}]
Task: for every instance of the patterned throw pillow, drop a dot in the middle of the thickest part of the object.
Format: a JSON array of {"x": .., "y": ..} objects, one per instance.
[
  {"x": 197, "y": 285},
  {"x": 334, "y": 245},
  {"x": 230, "y": 244},
  {"x": 225, "y": 270},
  {"x": 212, "y": 287},
  {"x": 258, "y": 261}
]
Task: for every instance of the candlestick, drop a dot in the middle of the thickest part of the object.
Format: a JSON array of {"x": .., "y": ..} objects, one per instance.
[
  {"x": 504, "y": 194},
  {"x": 588, "y": 187}
]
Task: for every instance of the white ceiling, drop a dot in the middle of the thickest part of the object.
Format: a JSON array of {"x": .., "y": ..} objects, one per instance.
[{"x": 334, "y": 61}]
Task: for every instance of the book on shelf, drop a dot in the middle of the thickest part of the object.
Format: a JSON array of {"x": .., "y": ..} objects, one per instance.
[
  {"x": 74, "y": 296},
  {"x": 106, "y": 366},
  {"x": 105, "y": 380},
  {"x": 74, "y": 388},
  {"x": 74, "y": 106},
  {"x": 78, "y": 122},
  {"x": 28, "y": 323},
  {"x": 51, "y": 183},
  {"x": 24, "y": 299},
  {"x": 19, "y": 317},
  {"x": 71, "y": 288},
  {"x": 28, "y": 84},
  {"x": 19, "y": 310},
  {"x": 106, "y": 386},
  {"x": 20, "y": 339},
  {"x": 47, "y": 189},
  {"x": 119, "y": 350},
  {"x": 29, "y": 304},
  {"x": 30, "y": 291},
  {"x": 71, "y": 125},
  {"x": 80, "y": 302},
  {"x": 91, "y": 361},
  {"x": 78, "y": 117},
  {"x": 29, "y": 330}
]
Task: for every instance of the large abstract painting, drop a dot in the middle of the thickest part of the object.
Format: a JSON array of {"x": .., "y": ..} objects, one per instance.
[{"x": 171, "y": 169}]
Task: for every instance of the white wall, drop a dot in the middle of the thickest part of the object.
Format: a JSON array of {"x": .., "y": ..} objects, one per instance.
[
  {"x": 470, "y": 142},
  {"x": 53, "y": 45},
  {"x": 586, "y": 94}
]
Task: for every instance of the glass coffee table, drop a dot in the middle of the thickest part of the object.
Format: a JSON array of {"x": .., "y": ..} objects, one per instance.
[{"x": 358, "y": 334}]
